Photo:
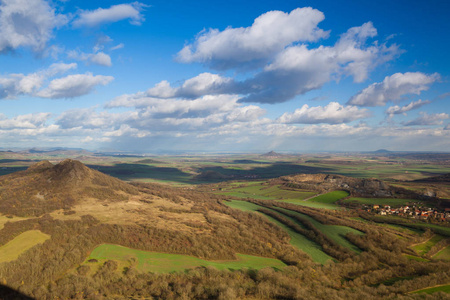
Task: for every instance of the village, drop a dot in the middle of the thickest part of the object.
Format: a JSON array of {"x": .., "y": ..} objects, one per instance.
[{"x": 414, "y": 212}]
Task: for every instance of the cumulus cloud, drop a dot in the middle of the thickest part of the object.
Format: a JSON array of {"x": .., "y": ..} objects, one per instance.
[
  {"x": 393, "y": 88},
  {"x": 426, "y": 119},
  {"x": 14, "y": 85},
  {"x": 270, "y": 33},
  {"x": 298, "y": 69},
  {"x": 181, "y": 116},
  {"x": 293, "y": 71},
  {"x": 396, "y": 110},
  {"x": 27, "y": 23},
  {"x": 88, "y": 118},
  {"x": 73, "y": 85},
  {"x": 98, "y": 58},
  {"x": 101, "y": 59},
  {"x": 115, "y": 13},
  {"x": 333, "y": 113},
  {"x": 24, "y": 121},
  {"x": 162, "y": 108},
  {"x": 202, "y": 84}
]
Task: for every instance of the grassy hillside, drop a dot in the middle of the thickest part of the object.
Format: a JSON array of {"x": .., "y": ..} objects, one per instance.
[
  {"x": 297, "y": 240},
  {"x": 145, "y": 261},
  {"x": 20, "y": 244}
]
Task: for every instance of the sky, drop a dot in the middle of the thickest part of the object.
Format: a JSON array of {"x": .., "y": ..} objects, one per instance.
[{"x": 225, "y": 76}]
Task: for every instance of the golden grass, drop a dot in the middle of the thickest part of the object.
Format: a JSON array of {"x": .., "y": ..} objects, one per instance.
[
  {"x": 5, "y": 219},
  {"x": 155, "y": 211},
  {"x": 21, "y": 243}
]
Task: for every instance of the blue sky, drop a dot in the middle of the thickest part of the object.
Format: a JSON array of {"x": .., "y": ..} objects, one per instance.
[{"x": 228, "y": 76}]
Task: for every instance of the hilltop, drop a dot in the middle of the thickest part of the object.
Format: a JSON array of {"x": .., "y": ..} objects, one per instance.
[
  {"x": 358, "y": 187},
  {"x": 45, "y": 187}
]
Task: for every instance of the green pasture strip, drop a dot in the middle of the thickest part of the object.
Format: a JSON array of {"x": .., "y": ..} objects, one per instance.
[
  {"x": 442, "y": 288},
  {"x": 147, "y": 261},
  {"x": 242, "y": 205},
  {"x": 303, "y": 243},
  {"x": 416, "y": 258},
  {"x": 330, "y": 198},
  {"x": 404, "y": 229},
  {"x": 443, "y": 254},
  {"x": 417, "y": 225},
  {"x": 21, "y": 243},
  {"x": 275, "y": 192},
  {"x": 244, "y": 195},
  {"x": 436, "y": 228},
  {"x": 381, "y": 201},
  {"x": 424, "y": 247},
  {"x": 335, "y": 232},
  {"x": 312, "y": 204},
  {"x": 297, "y": 240}
]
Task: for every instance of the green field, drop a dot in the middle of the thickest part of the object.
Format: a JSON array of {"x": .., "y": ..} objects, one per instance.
[
  {"x": 334, "y": 232},
  {"x": 443, "y": 254},
  {"x": 441, "y": 288},
  {"x": 21, "y": 243},
  {"x": 258, "y": 190},
  {"x": 424, "y": 247},
  {"x": 394, "y": 202},
  {"x": 416, "y": 258},
  {"x": 326, "y": 201},
  {"x": 156, "y": 262},
  {"x": 330, "y": 198},
  {"x": 297, "y": 240},
  {"x": 242, "y": 205}
]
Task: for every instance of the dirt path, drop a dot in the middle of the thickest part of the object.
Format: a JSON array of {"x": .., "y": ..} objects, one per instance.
[
  {"x": 422, "y": 242},
  {"x": 430, "y": 287}
]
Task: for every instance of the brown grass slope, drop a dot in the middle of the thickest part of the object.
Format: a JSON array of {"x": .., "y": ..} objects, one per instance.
[{"x": 45, "y": 187}]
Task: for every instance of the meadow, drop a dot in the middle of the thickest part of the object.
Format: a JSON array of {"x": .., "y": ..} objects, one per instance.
[
  {"x": 443, "y": 254},
  {"x": 426, "y": 246},
  {"x": 20, "y": 244},
  {"x": 297, "y": 240},
  {"x": 156, "y": 262},
  {"x": 441, "y": 288},
  {"x": 335, "y": 232},
  {"x": 264, "y": 191}
]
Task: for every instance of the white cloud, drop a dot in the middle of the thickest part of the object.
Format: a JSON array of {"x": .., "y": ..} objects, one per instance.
[
  {"x": 115, "y": 13},
  {"x": 293, "y": 71},
  {"x": 24, "y": 121},
  {"x": 73, "y": 85},
  {"x": 268, "y": 35},
  {"x": 15, "y": 85},
  {"x": 333, "y": 113},
  {"x": 426, "y": 119},
  {"x": 117, "y": 47},
  {"x": 101, "y": 59},
  {"x": 202, "y": 84},
  {"x": 396, "y": 110},
  {"x": 393, "y": 88},
  {"x": 88, "y": 118},
  {"x": 98, "y": 58},
  {"x": 27, "y": 23},
  {"x": 297, "y": 69}
]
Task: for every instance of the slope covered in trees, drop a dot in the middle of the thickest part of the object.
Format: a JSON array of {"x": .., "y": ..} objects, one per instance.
[{"x": 370, "y": 264}]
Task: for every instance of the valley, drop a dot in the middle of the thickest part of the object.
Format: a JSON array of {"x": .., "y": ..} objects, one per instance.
[{"x": 223, "y": 227}]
